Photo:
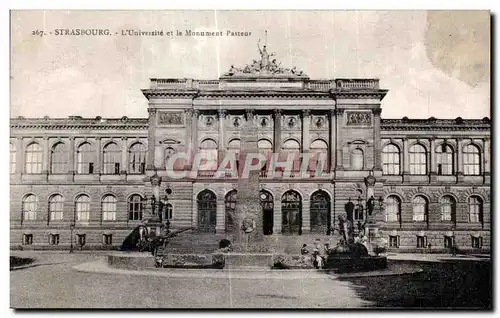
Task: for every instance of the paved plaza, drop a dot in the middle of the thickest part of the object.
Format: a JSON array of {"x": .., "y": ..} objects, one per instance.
[
  {"x": 52, "y": 282},
  {"x": 83, "y": 280}
]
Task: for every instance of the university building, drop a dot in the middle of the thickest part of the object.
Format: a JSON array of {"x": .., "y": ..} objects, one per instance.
[{"x": 87, "y": 181}]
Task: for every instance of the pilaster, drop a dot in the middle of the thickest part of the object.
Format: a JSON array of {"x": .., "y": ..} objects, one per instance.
[
  {"x": 97, "y": 164},
  {"x": 277, "y": 215},
  {"x": 220, "y": 225},
  {"x": 332, "y": 144},
  {"x": 339, "y": 117},
  {"x": 277, "y": 131},
  {"x": 151, "y": 139},
  {"x": 46, "y": 150},
  {"x": 377, "y": 149},
  {"x": 306, "y": 120},
  {"x": 306, "y": 216},
  {"x": 124, "y": 165}
]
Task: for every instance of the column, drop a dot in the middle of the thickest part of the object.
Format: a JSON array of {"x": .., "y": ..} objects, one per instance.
[
  {"x": 19, "y": 155},
  {"x": 338, "y": 159},
  {"x": 377, "y": 139},
  {"x": 277, "y": 131},
  {"x": 221, "y": 144},
  {"x": 306, "y": 120},
  {"x": 432, "y": 152},
  {"x": 306, "y": 216},
  {"x": 124, "y": 166},
  {"x": 406, "y": 157},
  {"x": 46, "y": 150},
  {"x": 220, "y": 226},
  {"x": 71, "y": 167},
  {"x": 97, "y": 163},
  {"x": 460, "y": 158},
  {"x": 332, "y": 143},
  {"x": 151, "y": 139},
  {"x": 487, "y": 159},
  {"x": 194, "y": 135}
]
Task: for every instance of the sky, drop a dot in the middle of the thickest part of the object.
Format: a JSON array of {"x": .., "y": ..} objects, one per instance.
[{"x": 433, "y": 63}]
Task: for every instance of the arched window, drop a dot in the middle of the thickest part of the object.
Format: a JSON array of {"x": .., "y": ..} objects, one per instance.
[
  {"x": 418, "y": 159},
  {"x": 137, "y": 158},
  {"x": 230, "y": 205},
  {"x": 112, "y": 157},
  {"x": 33, "y": 158},
  {"x": 291, "y": 209},
  {"x": 56, "y": 206},
  {"x": 234, "y": 146},
  {"x": 291, "y": 148},
  {"x": 319, "y": 156},
  {"x": 135, "y": 207},
  {"x": 357, "y": 159},
  {"x": 265, "y": 148},
  {"x": 85, "y": 157},
  {"x": 59, "y": 158},
  {"x": 208, "y": 152},
  {"x": 420, "y": 209},
  {"x": 207, "y": 211},
  {"x": 320, "y": 212},
  {"x": 12, "y": 158},
  {"x": 30, "y": 205},
  {"x": 444, "y": 160},
  {"x": 448, "y": 205},
  {"x": 393, "y": 208},
  {"x": 82, "y": 207},
  {"x": 108, "y": 205},
  {"x": 475, "y": 209},
  {"x": 267, "y": 203},
  {"x": 391, "y": 163},
  {"x": 472, "y": 160}
]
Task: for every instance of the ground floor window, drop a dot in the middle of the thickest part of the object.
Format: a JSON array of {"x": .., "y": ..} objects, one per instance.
[
  {"x": 477, "y": 242},
  {"x": 448, "y": 241},
  {"x": 54, "y": 239},
  {"x": 394, "y": 241},
  {"x": 107, "y": 239},
  {"x": 81, "y": 239},
  {"x": 27, "y": 239},
  {"x": 421, "y": 241}
]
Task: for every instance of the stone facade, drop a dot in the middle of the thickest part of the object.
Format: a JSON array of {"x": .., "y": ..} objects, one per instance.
[{"x": 338, "y": 117}]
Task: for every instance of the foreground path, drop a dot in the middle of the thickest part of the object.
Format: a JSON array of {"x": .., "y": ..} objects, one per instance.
[{"x": 53, "y": 282}]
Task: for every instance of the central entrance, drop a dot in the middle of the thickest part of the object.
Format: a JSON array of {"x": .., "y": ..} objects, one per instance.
[{"x": 291, "y": 208}]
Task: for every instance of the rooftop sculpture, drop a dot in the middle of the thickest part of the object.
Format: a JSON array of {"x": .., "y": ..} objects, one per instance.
[{"x": 265, "y": 66}]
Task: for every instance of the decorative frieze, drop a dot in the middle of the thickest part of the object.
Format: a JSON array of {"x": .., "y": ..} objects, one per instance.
[
  {"x": 170, "y": 118},
  {"x": 359, "y": 118}
]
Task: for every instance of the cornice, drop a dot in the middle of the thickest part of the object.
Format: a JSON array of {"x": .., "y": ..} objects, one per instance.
[{"x": 436, "y": 124}]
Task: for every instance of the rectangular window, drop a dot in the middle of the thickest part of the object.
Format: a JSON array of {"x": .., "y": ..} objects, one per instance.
[
  {"x": 107, "y": 239},
  {"x": 394, "y": 241},
  {"x": 448, "y": 241},
  {"x": 421, "y": 241},
  {"x": 358, "y": 213},
  {"x": 477, "y": 242},
  {"x": 27, "y": 239},
  {"x": 54, "y": 239},
  {"x": 81, "y": 239},
  {"x": 117, "y": 168}
]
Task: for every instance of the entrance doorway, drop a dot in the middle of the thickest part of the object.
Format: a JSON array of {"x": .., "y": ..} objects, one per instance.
[
  {"x": 267, "y": 203},
  {"x": 207, "y": 211},
  {"x": 291, "y": 208}
]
